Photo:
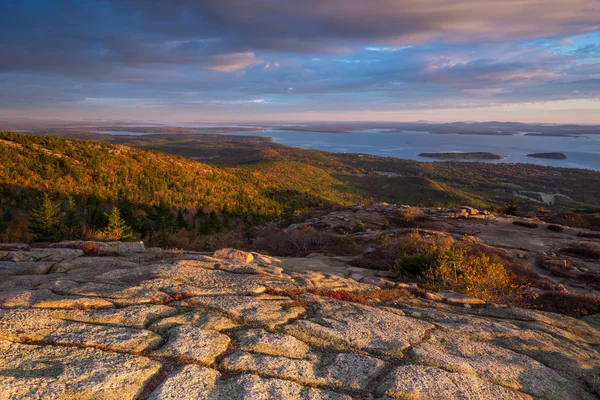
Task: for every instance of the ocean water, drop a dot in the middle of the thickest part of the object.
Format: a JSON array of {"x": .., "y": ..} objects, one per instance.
[
  {"x": 581, "y": 152},
  {"x": 121, "y": 133}
]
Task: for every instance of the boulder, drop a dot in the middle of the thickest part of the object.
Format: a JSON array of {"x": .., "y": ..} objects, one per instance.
[{"x": 234, "y": 255}]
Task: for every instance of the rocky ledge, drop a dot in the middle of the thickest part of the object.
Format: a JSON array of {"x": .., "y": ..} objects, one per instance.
[{"x": 117, "y": 321}]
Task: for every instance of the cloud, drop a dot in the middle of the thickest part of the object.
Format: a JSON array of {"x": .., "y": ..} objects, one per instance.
[
  {"x": 296, "y": 55},
  {"x": 232, "y": 62}
]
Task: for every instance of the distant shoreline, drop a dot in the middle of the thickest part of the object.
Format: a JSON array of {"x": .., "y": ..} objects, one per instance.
[{"x": 462, "y": 156}]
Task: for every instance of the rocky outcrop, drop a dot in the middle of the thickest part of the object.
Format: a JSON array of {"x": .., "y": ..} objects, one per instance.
[
  {"x": 176, "y": 325},
  {"x": 234, "y": 255}
]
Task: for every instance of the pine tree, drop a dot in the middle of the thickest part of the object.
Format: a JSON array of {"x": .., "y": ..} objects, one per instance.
[
  {"x": 512, "y": 208},
  {"x": 5, "y": 219},
  {"x": 117, "y": 229},
  {"x": 45, "y": 221},
  {"x": 181, "y": 221},
  {"x": 73, "y": 228},
  {"x": 163, "y": 235}
]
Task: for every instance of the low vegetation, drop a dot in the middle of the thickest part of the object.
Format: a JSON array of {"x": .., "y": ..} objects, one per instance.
[{"x": 442, "y": 263}]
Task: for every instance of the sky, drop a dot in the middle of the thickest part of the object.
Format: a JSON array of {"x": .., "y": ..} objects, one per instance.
[{"x": 301, "y": 60}]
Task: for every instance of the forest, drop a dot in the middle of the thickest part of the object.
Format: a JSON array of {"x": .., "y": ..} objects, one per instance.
[{"x": 175, "y": 200}]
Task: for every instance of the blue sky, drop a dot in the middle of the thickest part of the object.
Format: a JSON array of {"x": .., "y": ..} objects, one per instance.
[{"x": 184, "y": 60}]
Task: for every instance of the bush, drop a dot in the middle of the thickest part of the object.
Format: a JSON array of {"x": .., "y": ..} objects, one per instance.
[
  {"x": 409, "y": 214},
  {"x": 359, "y": 227},
  {"x": 444, "y": 264},
  {"x": 386, "y": 226}
]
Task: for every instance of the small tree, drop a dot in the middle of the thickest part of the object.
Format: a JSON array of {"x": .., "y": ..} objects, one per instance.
[
  {"x": 164, "y": 236},
  {"x": 512, "y": 208},
  {"x": 117, "y": 229},
  {"x": 45, "y": 221},
  {"x": 181, "y": 221},
  {"x": 73, "y": 228},
  {"x": 386, "y": 226},
  {"x": 6, "y": 219}
]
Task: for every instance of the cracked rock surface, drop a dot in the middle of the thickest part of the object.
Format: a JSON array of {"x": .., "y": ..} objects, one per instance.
[{"x": 131, "y": 323}]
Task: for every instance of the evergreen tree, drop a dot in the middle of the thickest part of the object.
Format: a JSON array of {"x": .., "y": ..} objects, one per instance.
[
  {"x": 512, "y": 208},
  {"x": 97, "y": 218},
  {"x": 128, "y": 213},
  {"x": 45, "y": 221},
  {"x": 249, "y": 229},
  {"x": 210, "y": 224},
  {"x": 163, "y": 235},
  {"x": 73, "y": 227},
  {"x": 117, "y": 229},
  {"x": 386, "y": 226},
  {"x": 181, "y": 221},
  {"x": 6, "y": 218}
]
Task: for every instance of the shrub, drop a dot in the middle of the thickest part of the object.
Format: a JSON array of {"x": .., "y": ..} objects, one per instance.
[
  {"x": 511, "y": 208},
  {"x": 359, "y": 227},
  {"x": 409, "y": 214},
  {"x": 386, "y": 226},
  {"x": 91, "y": 249},
  {"x": 443, "y": 263}
]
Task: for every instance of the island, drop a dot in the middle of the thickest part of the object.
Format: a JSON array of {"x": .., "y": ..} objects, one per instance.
[
  {"x": 554, "y": 156},
  {"x": 462, "y": 156}
]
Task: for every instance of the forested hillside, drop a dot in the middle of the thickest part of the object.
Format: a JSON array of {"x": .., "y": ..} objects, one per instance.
[
  {"x": 153, "y": 190},
  {"x": 172, "y": 200}
]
